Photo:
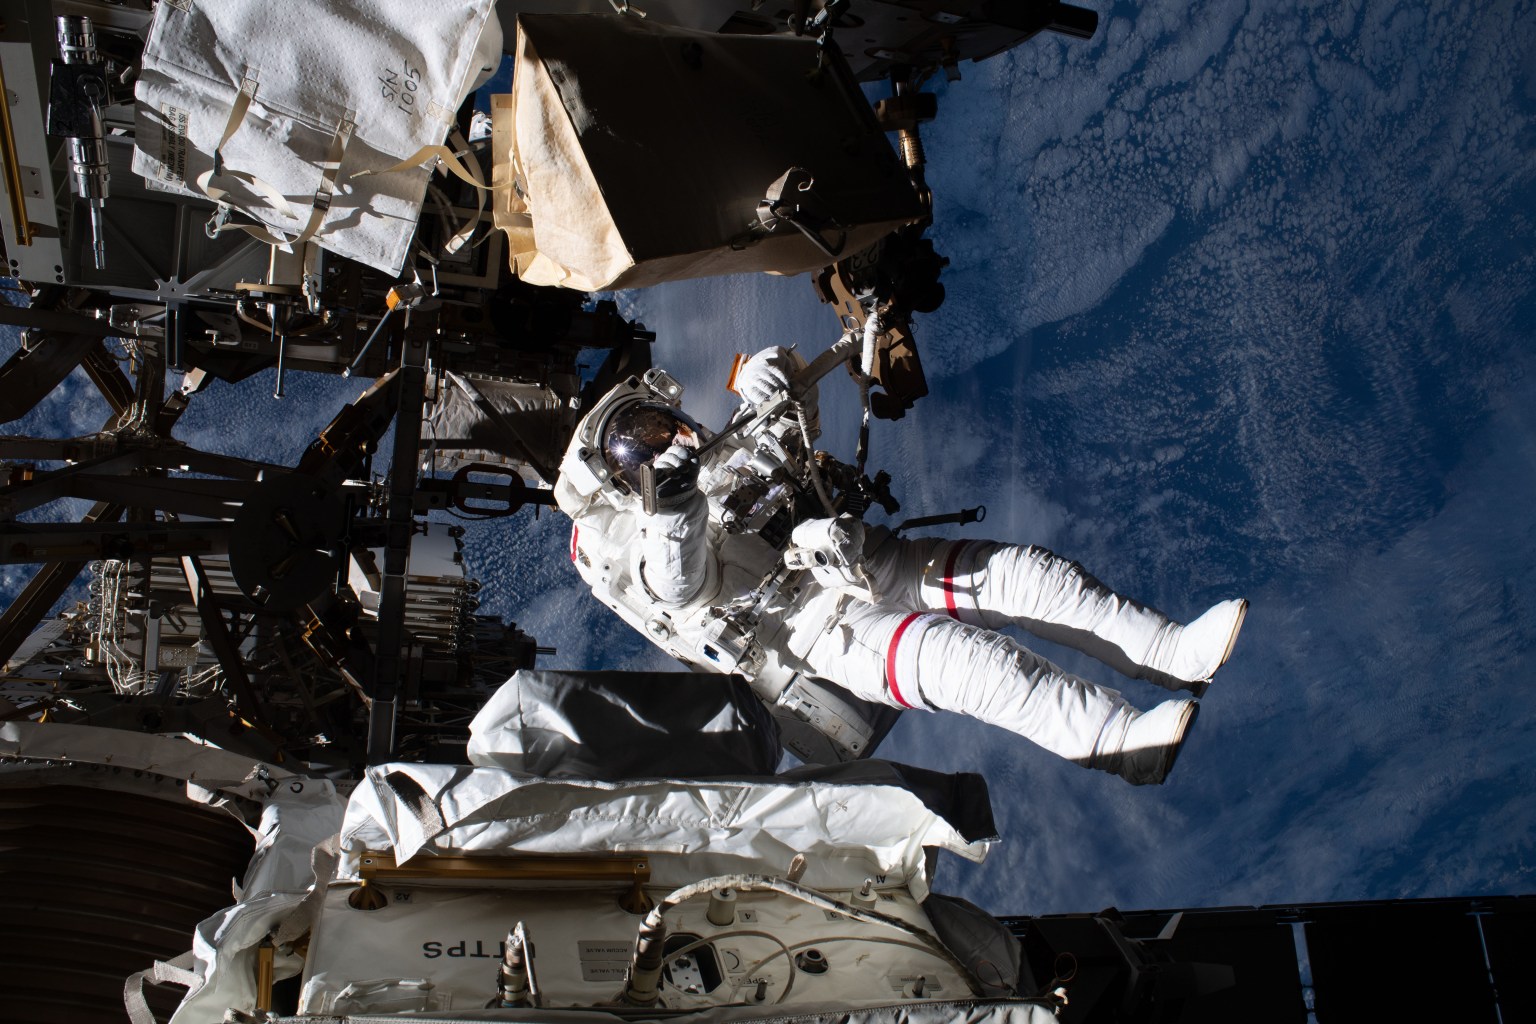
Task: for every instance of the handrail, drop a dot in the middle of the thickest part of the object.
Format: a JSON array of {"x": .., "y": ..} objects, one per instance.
[
  {"x": 377, "y": 866},
  {"x": 12, "y": 168}
]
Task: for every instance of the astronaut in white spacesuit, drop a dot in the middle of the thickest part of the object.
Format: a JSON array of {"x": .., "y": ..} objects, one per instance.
[{"x": 720, "y": 562}]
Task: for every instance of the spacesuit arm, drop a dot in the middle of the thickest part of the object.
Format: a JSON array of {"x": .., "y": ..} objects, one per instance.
[{"x": 674, "y": 549}]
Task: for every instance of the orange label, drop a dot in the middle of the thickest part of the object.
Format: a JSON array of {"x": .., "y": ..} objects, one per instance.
[{"x": 736, "y": 365}]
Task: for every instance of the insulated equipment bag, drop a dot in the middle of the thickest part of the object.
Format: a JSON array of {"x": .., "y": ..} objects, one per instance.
[
  {"x": 274, "y": 109},
  {"x": 631, "y": 153}
]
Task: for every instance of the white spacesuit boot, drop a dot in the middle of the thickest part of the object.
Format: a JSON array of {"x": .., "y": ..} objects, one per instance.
[
  {"x": 1193, "y": 652},
  {"x": 995, "y": 584},
  {"x": 1141, "y": 746}
]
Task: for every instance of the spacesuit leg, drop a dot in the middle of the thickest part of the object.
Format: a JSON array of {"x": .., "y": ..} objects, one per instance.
[
  {"x": 929, "y": 662},
  {"x": 991, "y": 584}
]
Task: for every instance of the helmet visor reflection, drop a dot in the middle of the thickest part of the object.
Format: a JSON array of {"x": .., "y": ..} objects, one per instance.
[{"x": 636, "y": 434}]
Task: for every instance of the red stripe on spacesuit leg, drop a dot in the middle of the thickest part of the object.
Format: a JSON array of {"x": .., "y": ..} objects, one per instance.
[
  {"x": 890, "y": 661},
  {"x": 574, "y": 528},
  {"x": 948, "y": 582}
]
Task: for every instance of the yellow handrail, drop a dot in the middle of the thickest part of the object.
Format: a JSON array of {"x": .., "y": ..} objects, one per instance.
[
  {"x": 12, "y": 168},
  {"x": 375, "y": 866}
]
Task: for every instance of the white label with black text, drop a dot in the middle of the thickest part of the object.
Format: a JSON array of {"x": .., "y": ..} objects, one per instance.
[{"x": 173, "y": 145}]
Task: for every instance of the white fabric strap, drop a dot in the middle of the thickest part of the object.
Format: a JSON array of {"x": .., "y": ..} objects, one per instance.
[
  {"x": 249, "y": 83},
  {"x": 318, "y": 209},
  {"x": 449, "y": 159},
  {"x": 322, "y": 200},
  {"x": 464, "y": 233},
  {"x": 177, "y": 971}
]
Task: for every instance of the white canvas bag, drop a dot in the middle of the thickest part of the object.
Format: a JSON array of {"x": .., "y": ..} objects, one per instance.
[
  {"x": 275, "y": 108},
  {"x": 630, "y": 153}
]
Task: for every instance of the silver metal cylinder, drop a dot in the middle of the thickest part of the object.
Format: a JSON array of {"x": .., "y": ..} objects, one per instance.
[
  {"x": 88, "y": 172},
  {"x": 88, "y": 167},
  {"x": 77, "y": 39},
  {"x": 912, "y": 153}
]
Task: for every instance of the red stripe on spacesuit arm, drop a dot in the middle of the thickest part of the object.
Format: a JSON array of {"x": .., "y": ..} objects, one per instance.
[
  {"x": 574, "y": 529},
  {"x": 890, "y": 661},
  {"x": 948, "y": 582}
]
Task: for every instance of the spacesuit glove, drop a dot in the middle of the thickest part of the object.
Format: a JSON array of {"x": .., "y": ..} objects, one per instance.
[
  {"x": 833, "y": 551},
  {"x": 836, "y": 543},
  {"x": 677, "y": 473},
  {"x": 765, "y": 375}
]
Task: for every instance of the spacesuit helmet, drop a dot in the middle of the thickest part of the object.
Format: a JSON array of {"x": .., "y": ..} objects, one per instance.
[{"x": 638, "y": 432}]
